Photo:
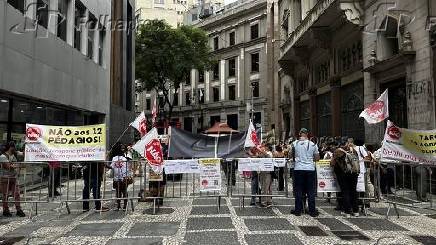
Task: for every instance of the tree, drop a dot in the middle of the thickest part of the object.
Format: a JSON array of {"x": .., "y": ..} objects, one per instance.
[{"x": 165, "y": 56}]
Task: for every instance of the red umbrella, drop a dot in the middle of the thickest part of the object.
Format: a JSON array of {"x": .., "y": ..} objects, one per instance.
[{"x": 220, "y": 129}]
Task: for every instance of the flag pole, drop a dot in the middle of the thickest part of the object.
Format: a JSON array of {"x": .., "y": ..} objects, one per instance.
[{"x": 119, "y": 138}]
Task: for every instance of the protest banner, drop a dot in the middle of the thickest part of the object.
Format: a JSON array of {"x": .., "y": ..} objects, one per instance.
[
  {"x": 326, "y": 177},
  {"x": 279, "y": 162},
  {"x": 417, "y": 146},
  {"x": 182, "y": 166},
  {"x": 152, "y": 176},
  {"x": 150, "y": 148},
  {"x": 256, "y": 164},
  {"x": 64, "y": 143},
  {"x": 210, "y": 174}
]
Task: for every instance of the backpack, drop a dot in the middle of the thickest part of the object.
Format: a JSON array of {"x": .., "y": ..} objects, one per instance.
[{"x": 351, "y": 163}]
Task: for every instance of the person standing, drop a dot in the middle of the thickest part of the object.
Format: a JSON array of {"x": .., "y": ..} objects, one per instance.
[
  {"x": 305, "y": 154},
  {"x": 281, "y": 170},
  {"x": 265, "y": 179},
  {"x": 122, "y": 175},
  {"x": 254, "y": 178},
  {"x": 8, "y": 180}
]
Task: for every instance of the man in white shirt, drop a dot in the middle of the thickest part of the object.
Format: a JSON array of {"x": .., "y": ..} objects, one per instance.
[{"x": 305, "y": 154}]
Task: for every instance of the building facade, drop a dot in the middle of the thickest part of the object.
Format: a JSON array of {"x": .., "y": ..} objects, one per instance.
[
  {"x": 55, "y": 63},
  {"x": 237, "y": 87},
  {"x": 339, "y": 55},
  {"x": 173, "y": 11}
]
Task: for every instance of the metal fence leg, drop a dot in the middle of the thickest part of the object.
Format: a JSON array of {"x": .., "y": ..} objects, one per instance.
[
  {"x": 133, "y": 207},
  {"x": 68, "y": 207}
]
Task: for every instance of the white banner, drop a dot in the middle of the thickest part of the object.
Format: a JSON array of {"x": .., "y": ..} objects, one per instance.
[
  {"x": 190, "y": 166},
  {"x": 326, "y": 177},
  {"x": 418, "y": 146},
  {"x": 63, "y": 143},
  {"x": 279, "y": 162},
  {"x": 210, "y": 175},
  {"x": 256, "y": 164}
]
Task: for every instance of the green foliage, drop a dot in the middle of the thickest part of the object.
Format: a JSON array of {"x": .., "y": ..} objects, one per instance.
[{"x": 165, "y": 55}]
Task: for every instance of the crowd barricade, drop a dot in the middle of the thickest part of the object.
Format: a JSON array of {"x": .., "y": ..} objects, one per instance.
[
  {"x": 408, "y": 184},
  {"x": 64, "y": 183},
  {"x": 243, "y": 181}
]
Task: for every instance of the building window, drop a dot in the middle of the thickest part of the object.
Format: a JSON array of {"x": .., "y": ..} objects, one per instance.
[
  {"x": 187, "y": 124},
  {"x": 232, "y": 121},
  {"x": 101, "y": 46},
  {"x": 62, "y": 19},
  {"x": 92, "y": 24},
  {"x": 216, "y": 71},
  {"x": 188, "y": 99},
  {"x": 255, "y": 62},
  {"x": 216, "y": 94},
  {"x": 42, "y": 13},
  {"x": 148, "y": 104},
  {"x": 255, "y": 89},
  {"x": 200, "y": 76},
  {"x": 79, "y": 14},
  {"x": 159, "y": 1},
  {"x": 176, "y": 99},
  {"x": 215, "y": 43},
  {"x": 232, "y": 40},
  {"x": 232, "y": 67},
  {"x": 232, "y": 92},
  {"x": 214, "y": 119},
  {"x": 254, "y": 31},
  {"x": 194, "y": 17},
  {"x": 18, "y": 4}
]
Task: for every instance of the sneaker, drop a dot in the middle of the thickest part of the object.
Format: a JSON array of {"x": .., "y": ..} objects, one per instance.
[
  {"x": 7, "y": 213},
  {"x": 20, "y": 213},
  {"x": 315, "y": 214},
  {"x": 355, "y": 214},
  {"x": 295, "y": 213},
  {"x": 263, "y": 205}
]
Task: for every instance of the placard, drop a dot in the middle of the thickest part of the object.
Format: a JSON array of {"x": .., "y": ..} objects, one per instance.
[
  {"x": 190, "y": 166},
  {"x": 256, "y": 164},
  {"x": 210, "y": 175},
  {"x": 326, "y": 177},
  {"x": 279, "y": 162}
]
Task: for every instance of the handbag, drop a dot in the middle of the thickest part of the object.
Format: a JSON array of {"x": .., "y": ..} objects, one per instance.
[{"x": 128, "y": 180}]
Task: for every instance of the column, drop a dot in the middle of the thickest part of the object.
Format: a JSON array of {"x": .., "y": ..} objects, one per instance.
[
  {"x": 70, "y": 22},
  {"x": 313, "y": 112},
  {"x": 296, "y": 116},
  {"x": 206, "y": 87},
  {"x": 223, "y": 79},
  {"x": 52, "y": 17},
  {"x": 335, "y": 93},
  {"x": 84, "y": 35}
]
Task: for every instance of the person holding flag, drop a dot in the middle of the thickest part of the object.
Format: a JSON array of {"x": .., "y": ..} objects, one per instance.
[{"x": 252, "y": 142}]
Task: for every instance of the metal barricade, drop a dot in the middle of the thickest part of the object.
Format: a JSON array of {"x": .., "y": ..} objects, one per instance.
[
  {"x": 408, "y": 184},
  {"x": 252, "y": 184}
]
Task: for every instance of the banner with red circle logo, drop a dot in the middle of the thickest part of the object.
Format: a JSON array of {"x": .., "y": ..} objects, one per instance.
[
  {"x": 418, "y": 146},
  {"x": 65, "y": 143},
  {"x": 210, "y": 174}
]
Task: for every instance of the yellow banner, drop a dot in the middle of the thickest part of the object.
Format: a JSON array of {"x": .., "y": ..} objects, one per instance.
[{"x": 419, "y": 142}]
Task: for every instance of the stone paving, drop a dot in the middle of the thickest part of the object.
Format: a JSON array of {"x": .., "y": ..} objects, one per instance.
[{"x": 198, "y": 221}]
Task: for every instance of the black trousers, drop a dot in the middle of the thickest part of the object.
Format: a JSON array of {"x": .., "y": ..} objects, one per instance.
[{"x": 349, "y": 193}]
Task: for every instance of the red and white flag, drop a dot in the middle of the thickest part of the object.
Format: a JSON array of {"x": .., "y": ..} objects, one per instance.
[
  {"x": 377, "y": 111},
  {"x": 154, "y": 112},
  {"x": 150, "y": 148},
  {"x": 140, "y": 124},
  {"x": 251, "y": 139}
]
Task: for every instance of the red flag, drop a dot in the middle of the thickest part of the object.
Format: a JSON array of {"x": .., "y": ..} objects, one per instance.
[
  {"x": 377, "y": 111},
  {"x": 150, "y": 148},
  {"x": 251, "y": 140},
  {"x": 140, "y": 124}
]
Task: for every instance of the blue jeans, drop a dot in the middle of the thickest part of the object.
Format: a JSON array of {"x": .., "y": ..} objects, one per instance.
[{"x": 304, "y": 184}]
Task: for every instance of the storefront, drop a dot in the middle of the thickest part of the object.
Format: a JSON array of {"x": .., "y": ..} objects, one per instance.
[{"x": 16, "y": 111}]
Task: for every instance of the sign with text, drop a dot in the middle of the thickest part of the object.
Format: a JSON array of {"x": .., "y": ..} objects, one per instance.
[
  {"x": 326, "y": 177},
  {"x": 418, "y": 146},
  {"x": 182, "y": 166},
  {"x": 63, "y": 143},
  {"x": 256, "y": 164},
  {"x": 210, "y": 174}
]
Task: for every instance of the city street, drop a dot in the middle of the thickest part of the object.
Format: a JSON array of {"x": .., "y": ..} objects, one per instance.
[{"x": 198, "y": 221}]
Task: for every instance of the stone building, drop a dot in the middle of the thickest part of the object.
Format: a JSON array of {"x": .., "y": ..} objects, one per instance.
[
  {"x": 224, "y": 94},
  {"x": 339, "y": 55}
]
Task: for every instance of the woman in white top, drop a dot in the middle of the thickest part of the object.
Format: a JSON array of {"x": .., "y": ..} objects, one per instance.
[{"x": 122, "y": 174}]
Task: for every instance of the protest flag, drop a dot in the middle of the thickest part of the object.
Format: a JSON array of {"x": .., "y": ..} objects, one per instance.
[
  {"x": 377, "y": 111},
  {"x": 140, "y": 124},
  {"x": 251, "y": 139},
  {"x": 150, "y": 148},
  {"x": 154, "y": 112}
]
